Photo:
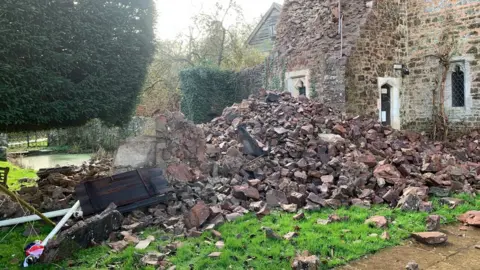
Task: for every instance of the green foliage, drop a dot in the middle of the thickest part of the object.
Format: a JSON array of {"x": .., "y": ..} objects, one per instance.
[
  {"x": 247, "y": 247},
  {"x": 17, "y": 173},
  {"x": 207, "y": 91},
  {"x": 313, "y": 88},
  {"x": 65, "y": 62},
  {"x": 274, "y": 73},
  {"x": 95, "y": 135}
]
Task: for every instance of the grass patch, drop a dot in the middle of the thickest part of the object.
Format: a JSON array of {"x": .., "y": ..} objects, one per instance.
[
  {"x": 16, "y": 173},
  {"x": 247, "y": 247}
]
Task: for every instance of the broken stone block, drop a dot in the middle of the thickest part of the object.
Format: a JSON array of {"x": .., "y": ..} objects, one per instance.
[
  {"x": 331, "y": 138},
  {"x": 412, "y": 266},
  {"x": 471, "y": 218},
  {"x": 312, "y": 197},
  {"x": 269, "y": 233},
  {"x": 275, "y": 198},
  {"x": 379, "y": 221},
  {"x": 385, "y": 235},
  {"x": 426, "y": 207},
  {"x": 82, "y": 234},
  {"x": 197, "y": 215},
  {"x": 263, "y": 212},
  {"x": 256, "y": 206},
  {"x": 299, "y": 216},
  {"x": 388, "y": 172},
  {"x": 433, "y": 223},
  {"x": 297, "y": 198},
  {"x": 290, "y": 235},
  {"x": 291, "y": 208},
  {"x": 119, "y": 245},
  {"x": 305, "y": 261},
  {"x": 152, "y": 258},
  {"x": 430, "y": 238},
  {"x": 245, "y": 193},
  {"x": 233, "y": 216},
  {"x": 180, "y": 172},
  {"x": 215, "y": 254},
  {"x": 409, "y": 202},
  {"x": 452, "y": 202},
  {"x": 220, "y": 244},
  {"x": 145, "y": 243}
]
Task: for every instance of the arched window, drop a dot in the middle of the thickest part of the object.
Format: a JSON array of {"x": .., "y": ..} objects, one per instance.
[{"x": 458, "y": 87}]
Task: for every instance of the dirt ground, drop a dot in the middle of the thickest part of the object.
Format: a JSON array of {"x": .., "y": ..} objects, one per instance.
[{"x": 458, "y": 253}]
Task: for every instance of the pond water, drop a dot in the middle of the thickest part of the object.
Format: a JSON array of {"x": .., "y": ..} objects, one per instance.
[{"x": 50, "y": 161}]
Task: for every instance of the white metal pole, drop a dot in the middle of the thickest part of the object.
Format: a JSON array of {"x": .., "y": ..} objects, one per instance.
[
  {"x": 61, "y": 223},
  {"x": 20, "y": 220}
]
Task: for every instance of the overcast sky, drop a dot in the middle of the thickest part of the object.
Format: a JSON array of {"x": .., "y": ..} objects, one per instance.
[{"x": 174, "y": 15}]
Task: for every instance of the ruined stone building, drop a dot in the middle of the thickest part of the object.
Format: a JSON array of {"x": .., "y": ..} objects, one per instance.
[{"x": 381, "y": 57}]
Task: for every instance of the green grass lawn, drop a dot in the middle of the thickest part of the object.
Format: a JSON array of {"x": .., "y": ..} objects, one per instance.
[
  {"x": 246, "y": 245},
  {"x": 17, "y": 173}
]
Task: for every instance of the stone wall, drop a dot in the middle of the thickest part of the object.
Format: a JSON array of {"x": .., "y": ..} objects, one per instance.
[
  {"x": 410, "y": 33},
  {"x": 250, "y": 80},
  {"x": 427, "y": 21},
  {"x": 178, "y": 147},
  {"x": 308, "y": 39},
  {"x": 379, "y": 46}
]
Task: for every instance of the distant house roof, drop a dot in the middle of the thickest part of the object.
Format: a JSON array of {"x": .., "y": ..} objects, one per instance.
[{"x": 275, "y": 6}]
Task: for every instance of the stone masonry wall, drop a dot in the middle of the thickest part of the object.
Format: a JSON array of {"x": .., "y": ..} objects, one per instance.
[
  {"x": 308, "y": 38},
  {"x": 426, "y": 21},
  {"x": 250, "y": 80},
  {"x": 379, "y": 46},
  {"x": 178, "y": 147}
]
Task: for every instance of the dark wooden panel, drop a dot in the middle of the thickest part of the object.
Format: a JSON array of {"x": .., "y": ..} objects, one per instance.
[{"x": 122, "y": 189}]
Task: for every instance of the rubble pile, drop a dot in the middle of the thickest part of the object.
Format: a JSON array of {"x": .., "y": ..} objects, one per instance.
[
  {"x": 298, "y": 154},
  {"x": 281, "y": 152},
  {"x": 316, "y": 158},
  {"x": 55, "y": 188}
]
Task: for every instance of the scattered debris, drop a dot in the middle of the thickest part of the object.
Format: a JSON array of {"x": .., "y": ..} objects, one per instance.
[
  {"x": 220, "y": 244},
  {"x": 378, "y": 221},
  {"x": 433, "y": 223},
  {"x": 323, "y": 221},
  {"x": 290, "y": 235},
  {"x": 129, "y": 238},
  {"x": 452, "y": 202},
  {"x": 82, "y": 235},
  {"x": 305, "y": 261},
  {"x": 430, "y": 238},
  {"x": 385, "y": 235},
  {"x": 471, "y": 218},
  {"x": 299, "y": 216},
  {"x": 412, "y": 266},
  {"x": 145, "y": 243},
  {"x": 269, "y": 233},
  {"x": 215, "y": 254},
  {"x": 119, "y": 245},
  {"x": 152, "y": 258},
  {"x": 263, "y": 212}
]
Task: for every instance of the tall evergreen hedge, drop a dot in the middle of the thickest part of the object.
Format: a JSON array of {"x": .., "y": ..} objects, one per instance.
[
  {"x": 206, "y": 91},
  {"x": 63, "y": 62}
]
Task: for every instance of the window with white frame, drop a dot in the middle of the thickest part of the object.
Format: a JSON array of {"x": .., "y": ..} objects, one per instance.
[{"x": 457, "y": 87}]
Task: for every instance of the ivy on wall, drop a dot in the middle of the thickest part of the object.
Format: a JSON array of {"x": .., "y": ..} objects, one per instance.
[
  {"x": 207, "y": 91},
  {"x": 274, "y": 73}
]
